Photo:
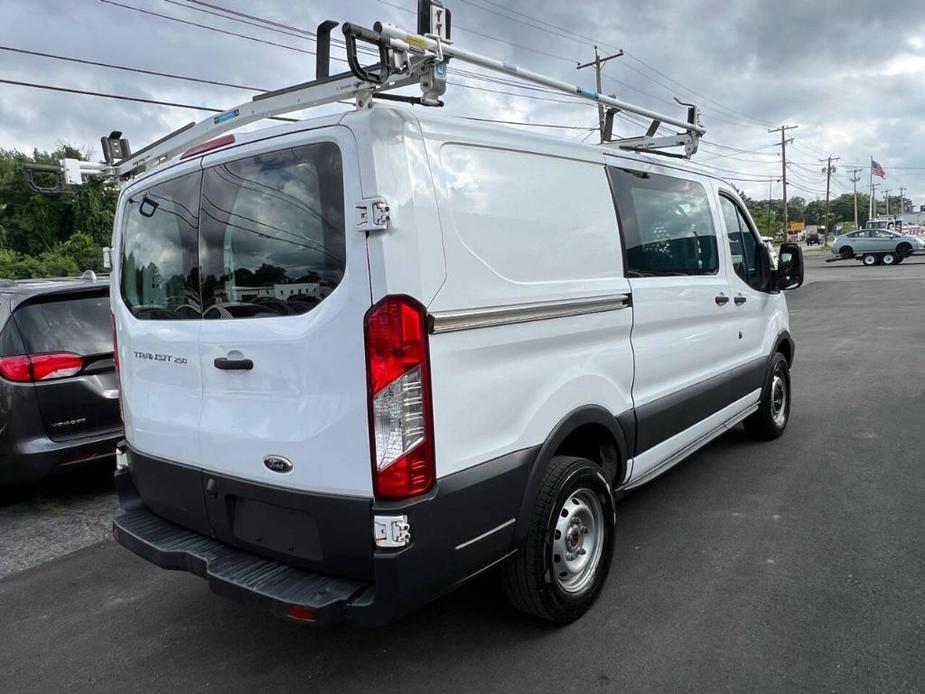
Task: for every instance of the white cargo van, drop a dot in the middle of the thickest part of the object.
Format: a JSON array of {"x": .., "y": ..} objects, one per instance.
[{"x": 367, "y": 357}]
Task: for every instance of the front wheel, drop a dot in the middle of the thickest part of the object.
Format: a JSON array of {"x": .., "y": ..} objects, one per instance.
[
  {"x": 846, "y": 252},
  {"x": 773, "y": 413},
  {"x": 560, "y": 569},
  {"x": 904, "y": 249}
]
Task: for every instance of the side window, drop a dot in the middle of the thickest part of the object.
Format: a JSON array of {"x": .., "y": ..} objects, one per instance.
[
  {"x": 666, "y": 224},
  {"x": 743, "y": 246},
  {"x": 160, "y": 262},
  {"x": 272, "y": 232}
]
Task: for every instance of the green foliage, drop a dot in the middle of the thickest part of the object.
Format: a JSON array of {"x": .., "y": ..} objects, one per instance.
[{"x": 51, "y": 235}]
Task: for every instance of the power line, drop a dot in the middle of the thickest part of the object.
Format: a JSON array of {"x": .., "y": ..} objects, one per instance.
[
  {"x": 174, "y": 104},
  {"x": 139, "y": 70}
]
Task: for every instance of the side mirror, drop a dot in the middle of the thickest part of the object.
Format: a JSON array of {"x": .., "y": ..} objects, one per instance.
[{"x": 789, "y": 273}]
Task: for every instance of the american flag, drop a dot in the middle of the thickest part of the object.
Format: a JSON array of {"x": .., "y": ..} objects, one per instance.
[{"x": 876, "y": 169}]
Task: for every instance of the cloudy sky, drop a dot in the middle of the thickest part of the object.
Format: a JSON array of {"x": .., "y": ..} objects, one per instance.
[{"x": 848, "y": 72}]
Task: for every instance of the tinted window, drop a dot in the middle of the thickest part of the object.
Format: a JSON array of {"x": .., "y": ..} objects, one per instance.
[
  {"x": 666, "y": 224},
  {"x": 272, "y": 232},
  {"x": 159, "y": 251},
  {"x": 80, "y": 325},
  {"x": 743, "y": 245}
]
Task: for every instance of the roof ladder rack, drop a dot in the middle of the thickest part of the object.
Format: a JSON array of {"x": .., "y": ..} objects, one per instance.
[{"x": 404, "y": 59}]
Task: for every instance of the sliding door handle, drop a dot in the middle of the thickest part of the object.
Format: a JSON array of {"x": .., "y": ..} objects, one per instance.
[
  {"x": 739, "y": 300},
  {"x": 721, "y": 299}
]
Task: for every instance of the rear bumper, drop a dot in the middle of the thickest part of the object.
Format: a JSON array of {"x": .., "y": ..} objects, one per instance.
[
  {"x": 35, "y": 459},
  {"x": 462, "y": 527}
]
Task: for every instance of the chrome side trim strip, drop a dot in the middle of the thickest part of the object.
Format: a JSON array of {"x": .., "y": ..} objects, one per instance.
[
  {"x": 468, "y": 319},
  {"x": 486, "y": 534}
]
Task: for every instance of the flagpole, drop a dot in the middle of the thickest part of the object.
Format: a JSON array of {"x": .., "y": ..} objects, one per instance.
[{"x": 870, "y": 202}]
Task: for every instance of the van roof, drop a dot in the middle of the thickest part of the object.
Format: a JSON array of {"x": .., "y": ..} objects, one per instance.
[{"x": 508, "y": 134}]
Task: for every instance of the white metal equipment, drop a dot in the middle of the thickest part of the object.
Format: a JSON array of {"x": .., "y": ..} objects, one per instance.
[{"x": 405, "y": 58}]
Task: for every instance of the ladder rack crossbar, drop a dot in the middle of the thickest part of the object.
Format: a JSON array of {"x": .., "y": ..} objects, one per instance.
[{"x": 450, "y": 51}]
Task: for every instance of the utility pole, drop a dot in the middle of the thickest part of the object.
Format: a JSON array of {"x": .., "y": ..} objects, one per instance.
[
  {"x": 854, "y": 178},
  {"x": 783, "y": 159},
  {"x": 902, "y": 200},
  {"x": 828, "y": 171},
  {"x": 597, "y": 64}
]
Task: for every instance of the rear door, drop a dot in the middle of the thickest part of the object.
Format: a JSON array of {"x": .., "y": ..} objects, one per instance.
[
  {"x": 86, "y": 404},
  {"x": 683, "y": 332},
  {"x": 285, "y": 289},
  {"x": 156, "y": 300}
]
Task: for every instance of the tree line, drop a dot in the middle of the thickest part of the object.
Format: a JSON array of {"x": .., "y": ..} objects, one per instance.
[
  {"x": 769, "y": 214},
  {"x": 56, "y": 235}
]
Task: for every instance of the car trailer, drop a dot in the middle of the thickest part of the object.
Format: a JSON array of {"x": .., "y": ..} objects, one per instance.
[{"x": 879, "y": 258}]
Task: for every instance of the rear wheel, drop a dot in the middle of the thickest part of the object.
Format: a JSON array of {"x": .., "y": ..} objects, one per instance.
[
  {"x": 871, "y": 259},
  {"x": 890, "y": 259},
  {"x": 560, "y": 569},
  {"x": 904, "y": 249},
  {"x": 846, "y": 252},
  {"x": 773, "y": 412}
]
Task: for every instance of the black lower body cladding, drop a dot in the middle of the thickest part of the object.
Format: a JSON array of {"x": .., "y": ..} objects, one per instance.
[{"x": 320, "y": 547}]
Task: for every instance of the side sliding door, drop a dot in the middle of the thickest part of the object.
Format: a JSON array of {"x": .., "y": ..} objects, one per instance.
[{"x": 683, "y": 333}]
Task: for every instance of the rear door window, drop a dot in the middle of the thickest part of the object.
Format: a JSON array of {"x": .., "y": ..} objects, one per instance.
[
  {"x": 82, "y": 325},
  {"x": 666, "y": 223},
  {"x": 160, "y": 260},
  {"x": 272, "y": 232}
]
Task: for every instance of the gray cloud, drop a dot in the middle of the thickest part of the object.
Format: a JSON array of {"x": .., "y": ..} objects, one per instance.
[{"x": 848, "y": 72}]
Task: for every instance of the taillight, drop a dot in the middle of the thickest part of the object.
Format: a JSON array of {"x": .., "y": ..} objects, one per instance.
[
  {"x": 400, "y": 414},
  {"x": 40, "y": 367}
]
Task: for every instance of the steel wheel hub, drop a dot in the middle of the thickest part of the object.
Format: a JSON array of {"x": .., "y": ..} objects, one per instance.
[
  {"x": 578, "y": 541},
  {"x": 779, "y": 400}
]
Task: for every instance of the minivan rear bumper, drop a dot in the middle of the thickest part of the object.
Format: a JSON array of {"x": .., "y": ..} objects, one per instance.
[
  {"x": 30, "y": 460},
  {"x": 462, "y": 527}
]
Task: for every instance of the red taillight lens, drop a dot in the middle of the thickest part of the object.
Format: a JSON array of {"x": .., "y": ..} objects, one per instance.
[
  {"x": 400, "y": 414},
  {"x": 40, "y": 367},
  {"x": 17, "y": 369}
]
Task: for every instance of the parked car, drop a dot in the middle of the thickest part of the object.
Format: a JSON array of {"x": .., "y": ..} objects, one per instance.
[
  {"x": 877, "y": 241},
  {"x": 57, "y": 377},
  {"x": 772, "y": 252},
  {"x": 494, "y": 362},
  {"x": 812, "y": 238}
]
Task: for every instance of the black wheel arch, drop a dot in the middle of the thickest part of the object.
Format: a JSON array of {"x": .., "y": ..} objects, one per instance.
[
  {"x": 566, "y": 438},
  {"x": 785, "y": 345}
]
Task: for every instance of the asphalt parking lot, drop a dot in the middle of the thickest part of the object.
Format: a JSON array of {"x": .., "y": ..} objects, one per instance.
[{"x": 790, "y": 566}]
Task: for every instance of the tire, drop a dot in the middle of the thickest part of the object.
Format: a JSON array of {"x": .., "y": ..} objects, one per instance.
[
  {"x": 871, "y": 259},
  {"x": 538, "y": 579},
  {"x": 889, "y": 258},
  {"x": 846, "y": 252},
  {"x": 904, "y": 250},
  {"x": 773, "y": 413}
]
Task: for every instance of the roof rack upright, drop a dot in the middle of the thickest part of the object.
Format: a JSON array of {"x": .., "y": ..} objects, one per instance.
[{"x": 404, "y": 59}]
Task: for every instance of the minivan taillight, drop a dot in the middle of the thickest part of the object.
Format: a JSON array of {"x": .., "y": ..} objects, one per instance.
[
  {"x": 400, "y": 412},
  {"x": 28, "y": 368}
]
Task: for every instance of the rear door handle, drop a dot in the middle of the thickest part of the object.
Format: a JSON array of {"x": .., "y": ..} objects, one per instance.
[
  {"x": 739, "y": 300},
  {"x": 721, "y": 299},
  {"x": 226, "y": 364}
]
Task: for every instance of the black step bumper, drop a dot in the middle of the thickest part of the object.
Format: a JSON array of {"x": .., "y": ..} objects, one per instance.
[
  {"x": 462, "y": 526},
  {"x": 234, "y": 573}
]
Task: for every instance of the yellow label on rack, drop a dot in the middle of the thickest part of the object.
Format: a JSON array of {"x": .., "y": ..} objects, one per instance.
[{"x": 416, "y": 41}]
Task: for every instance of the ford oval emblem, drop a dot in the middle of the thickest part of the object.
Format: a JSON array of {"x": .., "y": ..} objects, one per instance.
[{"x": 277, "y": 463}]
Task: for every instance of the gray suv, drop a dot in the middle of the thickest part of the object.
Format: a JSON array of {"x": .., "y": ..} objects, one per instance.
[{"x": 59, "y": 394}]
